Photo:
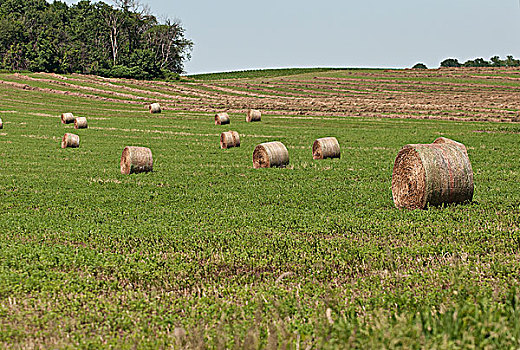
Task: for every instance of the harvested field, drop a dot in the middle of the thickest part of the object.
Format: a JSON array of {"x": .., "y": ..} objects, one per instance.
[
  {"x": 206, "y": 246},
  {"x": 468, "y": 95}
]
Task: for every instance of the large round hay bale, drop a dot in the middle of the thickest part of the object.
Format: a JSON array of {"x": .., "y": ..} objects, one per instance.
[
  {"x": 253, "y": 115},
  {"x": 326, "y": 147},
  {"x": 67, "y": 118},
  {"x": 270, "y": 154},
  {"x": 80, "y": 123},
  {"x": 1, "y": 124},
  {"x": 229, "y": 139},
  {"x": 222, "y": 119},
  {"x": 136, "y": 160},
  {"x": 432, "y": 174},
  {"x": 70, "y": 141},
  {"x": 444, "y": 140},
  {"x": 155, "y": 108}
]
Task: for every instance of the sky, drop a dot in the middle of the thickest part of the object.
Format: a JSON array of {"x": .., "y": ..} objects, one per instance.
[{"x": 239, "y": 34}]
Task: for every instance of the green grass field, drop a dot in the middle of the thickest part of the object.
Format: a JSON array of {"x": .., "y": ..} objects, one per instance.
[
  {"x": 206, "y": 251},
  {"x": 262, "y": 73}
]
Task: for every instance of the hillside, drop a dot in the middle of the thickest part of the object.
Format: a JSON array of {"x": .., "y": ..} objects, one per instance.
[{"x": 456, "y": 94}]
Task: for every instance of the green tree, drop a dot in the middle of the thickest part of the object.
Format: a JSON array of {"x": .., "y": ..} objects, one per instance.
[
  {"x": 169, "y": 44},
  {"x": 478, "y": 62},
  {"x": 450, "y": 62},
  {"x": 511, "y": 62},
  {"x": 496, "y": 61},
  {"x": 420, "y": 66}
]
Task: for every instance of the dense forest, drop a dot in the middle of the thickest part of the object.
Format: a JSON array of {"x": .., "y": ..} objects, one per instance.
[{"x": 119, "y": 40}]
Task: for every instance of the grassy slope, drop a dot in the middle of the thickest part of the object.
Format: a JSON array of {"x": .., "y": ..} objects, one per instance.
[
  {"x": 89, "y": 257},
  {"x": 264, "y": 73}
]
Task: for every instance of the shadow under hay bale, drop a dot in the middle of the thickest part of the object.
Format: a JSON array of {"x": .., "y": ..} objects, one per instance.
[
  {"x": 80, "y": 123},
  {"x": 136, "y": 160},
  {"x": 270, "y": 154},
  {"x": 222, "y": 119},
  {"x": 432, "y": 174},
  {"x": 154, "y": 108},
  {"x": 70, "y": 141},
  {"x": 253, "y": 115},
  {"x": 229, "y": 139},
  {"x": 67, "y": 118},
  {"x": 326, "y": 147}
]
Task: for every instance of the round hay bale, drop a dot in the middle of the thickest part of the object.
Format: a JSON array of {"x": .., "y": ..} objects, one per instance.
[
  {"x": 253, "y": 115},
  {"x": 270, "y": 154},
  {"x": 229, "y": 139},
  {"x": 67, "y": 118},
  {"x": 1, "y": 124},
  {"x": 327, "y": 147},
  {"x": 444, "y": 140},
  {"x": 222, "y": 119},
  {"x": 70, "y": 141},
  {"x": 136, "y": 160},
  {"x": 80, "y": 123},
  {"x": 155, "y": 108},
  {"x": 432, "y": 174}
]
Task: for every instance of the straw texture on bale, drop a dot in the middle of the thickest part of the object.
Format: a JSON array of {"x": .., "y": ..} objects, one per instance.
[
  {"x": 432, "y": 174},
  {"x": 444, "y": 140},
  {"x": 70, "y": 141},
  {"x": 229, "y": 139},
  {"x": 222, "y": 119},
  {"x": 270, "y": 154},
  {"x": 80, "y": 123},
  {"x": 136, "y": 160},
  {"x": 253, "y": 115},
  {"x": 67, "y": 118},
  {"x": 1, "y": 124},
  {"x": 155, "y": 108},
  {"x": 327, "y": 147}
]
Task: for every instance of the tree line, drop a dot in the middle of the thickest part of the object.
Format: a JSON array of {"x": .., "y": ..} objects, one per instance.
[
  {"x": 120, "y": 40},
  {"x": 494, "y": 61}
]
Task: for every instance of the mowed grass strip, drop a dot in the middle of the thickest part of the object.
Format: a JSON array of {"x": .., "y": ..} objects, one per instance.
[{"x": 91, "y": 258}]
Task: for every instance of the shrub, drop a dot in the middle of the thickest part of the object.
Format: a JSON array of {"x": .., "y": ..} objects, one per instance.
[{"x": 420, "y": 66}]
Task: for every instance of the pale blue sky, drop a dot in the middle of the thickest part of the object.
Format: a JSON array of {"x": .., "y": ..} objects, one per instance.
[{"x": 238, "y": 34}]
